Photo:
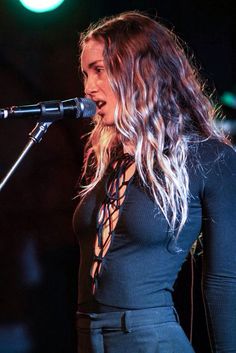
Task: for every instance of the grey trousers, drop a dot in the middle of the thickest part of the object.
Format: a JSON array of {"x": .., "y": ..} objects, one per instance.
[{"x": 153, "y": 330}]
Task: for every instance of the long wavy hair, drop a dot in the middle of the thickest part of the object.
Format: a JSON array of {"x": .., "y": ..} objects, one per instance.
[{"x": 161, "y": 109}]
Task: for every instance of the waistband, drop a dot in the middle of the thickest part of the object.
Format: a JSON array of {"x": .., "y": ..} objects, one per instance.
[
  {"x": 162, "y": 298},
  {"x": 126, "y": 320}
]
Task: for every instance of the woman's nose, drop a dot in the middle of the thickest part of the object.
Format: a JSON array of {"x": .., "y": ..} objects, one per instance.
[{"x": 90, "y": 86}]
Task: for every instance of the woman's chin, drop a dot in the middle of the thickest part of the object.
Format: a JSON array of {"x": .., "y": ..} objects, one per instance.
[{"x": 108, "y": 121}]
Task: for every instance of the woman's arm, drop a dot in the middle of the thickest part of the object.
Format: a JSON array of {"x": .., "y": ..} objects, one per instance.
[{"x": 219, "y": 236}]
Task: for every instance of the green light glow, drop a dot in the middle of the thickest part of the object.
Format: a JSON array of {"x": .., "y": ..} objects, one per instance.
[
  {"x": 41, "y": 5},
  {"x": 229, "y": 99}
]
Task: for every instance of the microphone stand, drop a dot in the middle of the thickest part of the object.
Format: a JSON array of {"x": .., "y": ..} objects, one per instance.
[{"x": 35, "y": 136}]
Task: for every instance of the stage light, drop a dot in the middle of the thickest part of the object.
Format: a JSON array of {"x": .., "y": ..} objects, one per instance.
[
  {"x": 41, "y": 5},
  {"x": 229, "y": 99}
]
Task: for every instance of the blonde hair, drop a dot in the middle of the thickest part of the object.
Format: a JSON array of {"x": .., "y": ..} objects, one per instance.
[{"x": 161, "y": 109}]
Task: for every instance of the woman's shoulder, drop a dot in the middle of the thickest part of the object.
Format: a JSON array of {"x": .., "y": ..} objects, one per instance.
[
  {"x": 213, "y": 161},
  {"x": 211, "y": 150}
]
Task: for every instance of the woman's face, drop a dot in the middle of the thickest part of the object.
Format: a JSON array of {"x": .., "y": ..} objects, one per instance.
[{"x": 96, "y": 83}]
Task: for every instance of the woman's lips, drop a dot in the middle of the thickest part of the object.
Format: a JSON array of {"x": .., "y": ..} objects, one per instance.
[{"x": 100, "y": 105}]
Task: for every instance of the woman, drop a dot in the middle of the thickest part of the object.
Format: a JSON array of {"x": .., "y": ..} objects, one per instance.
[{"x": 157, "y": 174}]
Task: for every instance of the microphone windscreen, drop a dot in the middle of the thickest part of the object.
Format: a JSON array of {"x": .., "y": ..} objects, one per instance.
[{"x": 87, "y": 107}]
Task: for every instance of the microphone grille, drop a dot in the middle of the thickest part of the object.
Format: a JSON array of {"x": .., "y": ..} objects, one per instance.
[{"x": 88, "y": 107}]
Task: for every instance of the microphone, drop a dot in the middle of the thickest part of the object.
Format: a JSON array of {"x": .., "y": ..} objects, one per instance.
[{"x": 52, "y": 110}]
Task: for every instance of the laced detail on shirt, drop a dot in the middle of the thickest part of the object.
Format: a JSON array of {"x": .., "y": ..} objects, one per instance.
[{"x": 116, "y": 187}]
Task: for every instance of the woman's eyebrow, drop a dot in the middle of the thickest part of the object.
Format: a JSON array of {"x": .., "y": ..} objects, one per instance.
[{"x": 92, "y": 64}]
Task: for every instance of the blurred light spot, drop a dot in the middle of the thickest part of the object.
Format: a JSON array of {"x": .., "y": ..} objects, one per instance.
[
  {"x": 41, "y": 5},
  {"x": 229, "y": 99},
  {"x": 14, "y": 339},
  {"x": 227, "y": 125},
  {"x": 31, "y": 268}
]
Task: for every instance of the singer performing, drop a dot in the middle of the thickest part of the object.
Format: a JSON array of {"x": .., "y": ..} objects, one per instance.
[{"x": 156, "y": 174}]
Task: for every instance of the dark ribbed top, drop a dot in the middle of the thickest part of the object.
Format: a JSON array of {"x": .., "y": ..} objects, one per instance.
[{"x": 143, "y": 260}]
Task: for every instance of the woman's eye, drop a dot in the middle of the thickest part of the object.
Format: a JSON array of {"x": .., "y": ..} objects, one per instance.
[{"x": 98, "y": 69}]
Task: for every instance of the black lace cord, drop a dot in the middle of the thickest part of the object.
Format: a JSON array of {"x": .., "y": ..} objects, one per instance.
[
  {"x": 122, "y": 164},
  {"x": 114, "y": 183}
]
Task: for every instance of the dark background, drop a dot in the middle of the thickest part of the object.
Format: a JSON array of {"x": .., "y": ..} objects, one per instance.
[{"x": 38, "y": 252}]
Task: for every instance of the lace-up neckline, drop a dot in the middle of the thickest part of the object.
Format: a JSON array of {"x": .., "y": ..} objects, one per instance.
[{"x": 116, "y": 188}]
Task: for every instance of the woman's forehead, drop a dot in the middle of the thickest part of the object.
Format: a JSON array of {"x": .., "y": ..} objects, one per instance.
[{"x": 92, "y": 51}]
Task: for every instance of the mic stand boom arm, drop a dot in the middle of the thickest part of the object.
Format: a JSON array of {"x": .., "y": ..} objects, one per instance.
[{"x": 35, "y": 136}]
